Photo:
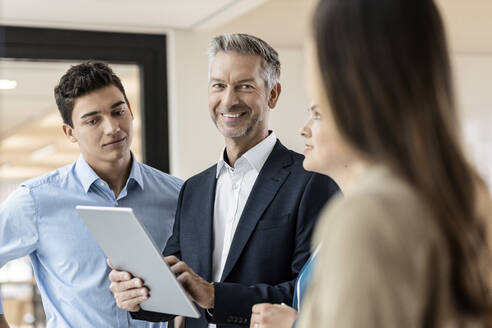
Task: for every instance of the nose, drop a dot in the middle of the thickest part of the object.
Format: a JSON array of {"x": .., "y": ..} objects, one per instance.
[
  {"x": 111, "y": 126},
  {"x": 230, "y": 98},
  {"x": 305, "y": 130}
]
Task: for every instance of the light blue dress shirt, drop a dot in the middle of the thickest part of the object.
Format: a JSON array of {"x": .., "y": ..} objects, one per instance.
[
  {"x": 302, "y": 282},
  {"x": 39, "y": 220}
]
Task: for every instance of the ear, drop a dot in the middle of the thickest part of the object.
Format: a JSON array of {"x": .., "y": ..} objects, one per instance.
[
  {"x": 274, "y": 94},
  {"x": 68, "y": 131}
]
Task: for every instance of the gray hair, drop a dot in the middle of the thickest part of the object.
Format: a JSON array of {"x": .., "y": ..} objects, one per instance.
[{"x": 246, "y": 44}]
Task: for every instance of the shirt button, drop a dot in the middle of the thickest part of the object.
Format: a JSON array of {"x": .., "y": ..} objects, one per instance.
[
  {"x": 115, "y": 203},
  {"x": 101, "y": 184}
]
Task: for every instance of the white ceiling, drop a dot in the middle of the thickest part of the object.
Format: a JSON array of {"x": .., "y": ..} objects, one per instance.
[
  {"x": 157, "y": 14},
  {"x": 282, "y": 22}
]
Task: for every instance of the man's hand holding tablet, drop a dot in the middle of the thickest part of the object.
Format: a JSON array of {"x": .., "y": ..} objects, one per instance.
[{"x": 130, "y": 291}]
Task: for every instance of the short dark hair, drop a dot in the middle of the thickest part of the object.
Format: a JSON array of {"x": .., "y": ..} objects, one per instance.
[{"x": 80, "y": 80}]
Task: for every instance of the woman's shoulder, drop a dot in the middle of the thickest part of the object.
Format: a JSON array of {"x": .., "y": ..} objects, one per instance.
[{"x": 380, "y": 207}]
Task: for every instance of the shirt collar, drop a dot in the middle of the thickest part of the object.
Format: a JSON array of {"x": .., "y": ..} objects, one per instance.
[
  {"x": 256, "y": 156},
  {"x": 136, "y": 173},
  {"x": 88, "y": 176}
]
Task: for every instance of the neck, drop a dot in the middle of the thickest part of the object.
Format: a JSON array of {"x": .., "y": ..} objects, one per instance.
[
  {"x": 236, "y": 147},
  {"x": 347, "y": 174},
  {"x": 115, "y": 173}
]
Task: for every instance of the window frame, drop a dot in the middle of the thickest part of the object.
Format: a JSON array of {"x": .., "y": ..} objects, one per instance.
[{"x": 148, "y": 51}]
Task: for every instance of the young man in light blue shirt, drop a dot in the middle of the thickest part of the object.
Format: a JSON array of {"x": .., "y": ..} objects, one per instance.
[{"x": 39, "y": 218}]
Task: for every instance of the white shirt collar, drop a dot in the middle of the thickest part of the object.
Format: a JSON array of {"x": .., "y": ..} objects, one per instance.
[{"x": 256, "y": 156}]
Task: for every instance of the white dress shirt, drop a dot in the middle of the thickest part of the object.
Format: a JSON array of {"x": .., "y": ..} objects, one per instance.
[{"x": 232, "y": 191}]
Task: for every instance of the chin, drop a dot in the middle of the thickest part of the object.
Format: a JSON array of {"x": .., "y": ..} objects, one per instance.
[
  {"x": 306, "y": 164},
  {"x": 233, "y": 134},
  {"x": 312, "y": 166},
  {"x": 117, "y": 154}
]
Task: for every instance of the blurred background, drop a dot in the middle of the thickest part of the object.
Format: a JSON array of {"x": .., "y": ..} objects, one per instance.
[{"x": 32, "y": 142}]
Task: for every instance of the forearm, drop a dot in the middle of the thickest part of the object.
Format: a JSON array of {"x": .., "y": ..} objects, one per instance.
[
  {"x": 233, "y": 302},
  {"x": 3, "y": 322}
]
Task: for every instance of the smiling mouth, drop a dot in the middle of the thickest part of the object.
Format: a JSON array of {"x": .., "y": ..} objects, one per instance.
[
  {"x": 114, "y": 142},
  {"x": 233, "y": 115}
]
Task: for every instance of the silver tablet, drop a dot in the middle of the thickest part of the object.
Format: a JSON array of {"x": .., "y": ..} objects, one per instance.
[{"x": 128, "y": 245}]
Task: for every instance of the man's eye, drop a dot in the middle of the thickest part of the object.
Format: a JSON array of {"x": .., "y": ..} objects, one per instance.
[
  {"x": 119, "y": 112},
  {"x": 218, "y": 85},
  {"x": 245, "y": 86},
  {"x": 91, "y": 122}
]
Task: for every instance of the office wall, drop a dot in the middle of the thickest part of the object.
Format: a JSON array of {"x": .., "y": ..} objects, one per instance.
[{"x": 473, "y": 79}]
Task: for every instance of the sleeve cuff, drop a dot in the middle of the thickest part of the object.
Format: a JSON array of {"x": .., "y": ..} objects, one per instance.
[
  {"x": 151, "y": 316},
  {"x": 1, "y": 307}
]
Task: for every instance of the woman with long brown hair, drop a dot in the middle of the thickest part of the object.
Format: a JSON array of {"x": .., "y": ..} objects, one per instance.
[{"x": 407, "y": 246}]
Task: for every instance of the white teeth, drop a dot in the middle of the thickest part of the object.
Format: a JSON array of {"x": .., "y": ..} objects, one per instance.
[{"x": 231, "y": 115}]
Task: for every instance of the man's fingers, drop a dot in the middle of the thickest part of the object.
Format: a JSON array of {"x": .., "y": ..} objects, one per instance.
[
  {"x": 184, "y": 279},
  {"x": 260, "y": 313},
  {"x": 132, "y": 305},
  {"x": 117, "y": 276},
  {"x": 179, "y": 267},
  {"x": 260, "y": 307},
  {"x": 179, "y": 322},
  {"x": 131, "y": 294},
  {"x": 118, "y": 287},
  {"x": 252, "y": 321},
  {"x": 256, "y": 318},
  {"x": 171, "y": 260},
  {"x": 125, "y": 296},
  {"x": 109, "y": 264}
]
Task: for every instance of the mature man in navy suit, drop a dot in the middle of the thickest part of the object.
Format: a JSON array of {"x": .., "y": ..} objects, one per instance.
[{"x": 243, "y": 227}]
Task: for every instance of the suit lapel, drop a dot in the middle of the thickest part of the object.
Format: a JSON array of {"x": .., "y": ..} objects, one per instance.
[
  {"x": 203, "y": 226},
  {"x": 267, "y": 184}
]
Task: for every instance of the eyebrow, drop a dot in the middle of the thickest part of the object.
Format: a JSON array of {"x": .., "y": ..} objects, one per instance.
[
  {"x": 89, "y": 114},
  {"x": 214, "y": 79},
  {"x": 113, "y": 106},
  {"x": 313, "y": 107},
  {"x": 246, "y": 80},
  {"x": 116, "y": 104}
]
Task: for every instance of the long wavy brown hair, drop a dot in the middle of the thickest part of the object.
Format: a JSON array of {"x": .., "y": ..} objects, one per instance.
[{"x": 386, "y": 72}]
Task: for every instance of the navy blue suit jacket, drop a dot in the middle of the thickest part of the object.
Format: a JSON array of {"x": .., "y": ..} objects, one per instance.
[{"x": 271, "y": 243}]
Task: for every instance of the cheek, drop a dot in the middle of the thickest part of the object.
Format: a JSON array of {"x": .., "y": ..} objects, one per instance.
[
  {"x": 258, "y": 105},
  {"x": 321, "y": 146},
  {"x": 213, "y": 101},
  {"x": 93, "y": 137},
  {"x": 129, "y": 128},
  {"x": 324, "y": 140}
]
